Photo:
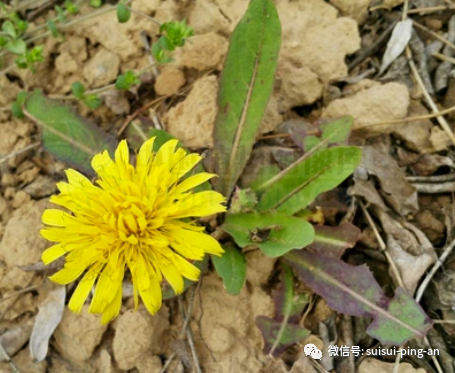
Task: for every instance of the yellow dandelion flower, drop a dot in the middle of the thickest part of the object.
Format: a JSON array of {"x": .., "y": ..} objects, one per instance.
[{"x": 133, "y": 218}]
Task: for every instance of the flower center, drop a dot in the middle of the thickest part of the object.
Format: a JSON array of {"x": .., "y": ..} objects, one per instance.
[{"x": 129, "y": 220}]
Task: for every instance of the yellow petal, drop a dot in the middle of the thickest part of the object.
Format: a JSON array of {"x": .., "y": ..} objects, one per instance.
[
  {"x": 200, "y": 204},
  {"x": 171, "y": 274},
  {"x": 110, "y": 279},
  {"x": 195, "y": 241},
  {"x": 122, "y": 154},
  {"x": 67, "y": 275},
  {"x": 57, "y": 218},
  {"x": 76, "y": 178},
  {"x": 83, "y": 289},
  {"x": 53, "y": 253},
  {"x": 53, "y": 234},
  {"x": 152, "y": 297},
  {"x": 192, "y": 182},
  {"x": 106, "y": 168},
  {"x": 187, "y": 250},
  {"x": 113, "y": 308},
  {"x": 187, "y": 269},
  {"x": 165, "y": 153},
  {"x": 141, "y": 276},
  {"x": 185, "y": 165},
  {"x": 145, "y": 157}
]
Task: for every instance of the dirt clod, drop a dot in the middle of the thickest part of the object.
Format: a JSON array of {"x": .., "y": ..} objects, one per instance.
[
  {"x": 138, "y": 332},
  {"x": 377, "y": 104},
  {"x": 169, "y": 81},
  {"x": 77, "y": 335}
]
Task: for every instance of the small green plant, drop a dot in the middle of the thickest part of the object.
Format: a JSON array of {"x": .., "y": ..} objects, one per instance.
[
  {"x": 127, "y": 80},
  {"x": 16, "y": 106},
  {"x": 174, "y": 35},
  {"x": 91, "y": 100}
]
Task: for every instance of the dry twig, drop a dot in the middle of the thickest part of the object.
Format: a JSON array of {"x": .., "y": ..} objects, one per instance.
[
  {"x": 442, "y": 121},
  {"x": 18, "y": 152},
  {"x": 433, "y": 270},
  {"x": 382, "y": 246}
]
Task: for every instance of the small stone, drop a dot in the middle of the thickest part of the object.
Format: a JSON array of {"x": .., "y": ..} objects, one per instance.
[
  {"x": 149, "y": 364},
  {"x": 416, "y": 134},
  {"x": 41, "y": 187},
  {"x": 356, "y": 9},
  {"x": 29, "y": 175},
  {"x": 439, "y": 139},
  {"x": 7, "y": 139},
  {"x": 4, "y": 210},
  {"x": 9, "y": 180},
  {"x": 19, "y": 199},
  {"x": 9, "y": 193},
  {"x": 102, "y": 68}
]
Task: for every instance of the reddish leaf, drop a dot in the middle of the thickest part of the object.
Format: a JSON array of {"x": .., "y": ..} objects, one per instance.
[
  {"x": 284, "y": 329},
  {"x": 354, "y": 291},
  {"x": 334, "y": 240}
]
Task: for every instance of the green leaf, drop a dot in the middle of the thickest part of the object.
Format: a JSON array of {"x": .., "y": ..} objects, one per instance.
[
  {"x": 8, "y": 28},
  {"x": 264, "y": 173},
  {"x": 35, "y": 55},
  {"x": 71, "y": 7},
  {"x": 16, "y": 106},
  {"x": 96, "y": 3},
  {"x": 127, "y": 80},
  {"x": 337, "y": 130},
  {"x": 17, "y": 46},
  {"x": 310, "y": 142},
  {"x": 3, "y": 41},
  {"x": 60, "y": 14},
  {"x": 92, "y": 101},
  {"x": 243, "y": 200},
  {"x": 231, "y": 267},
  {"x": 123, "y": 13},
  {"x": 275, "y": 234},
  {"x": 66, "y": 135},
  {"x": 176, "y": 34},
  {"x": 52, "y": 27},
  {"x": 21, "y": 97},
  {"x": 78, "y": 90},
  {"x": 17, "y": 110},
  {"x": 245, "y": 87},
  {"x": 21, "y": 26},
  {"x": 305, "y": 180},
  {"x": 21, "y": 62}
]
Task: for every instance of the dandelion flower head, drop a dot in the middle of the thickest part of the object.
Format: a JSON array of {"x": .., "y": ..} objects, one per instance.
[{"x": 135, "y": 219}]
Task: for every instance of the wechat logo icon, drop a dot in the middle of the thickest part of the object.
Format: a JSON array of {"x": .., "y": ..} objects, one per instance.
[{"x": 311, "y": 349}]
